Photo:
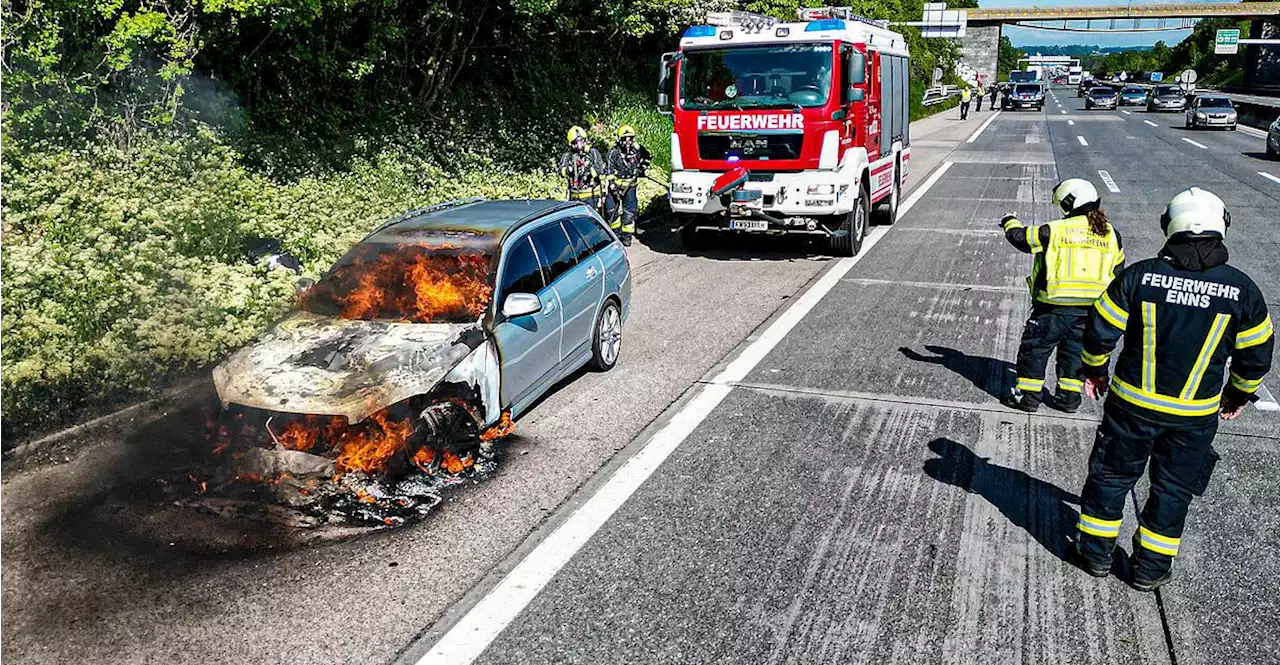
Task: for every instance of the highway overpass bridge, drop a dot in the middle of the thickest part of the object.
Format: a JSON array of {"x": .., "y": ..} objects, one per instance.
[{"x": 980, "y": 43}]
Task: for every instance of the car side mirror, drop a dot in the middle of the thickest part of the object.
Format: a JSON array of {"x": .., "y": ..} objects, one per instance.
[
  {"x": 521, "y": 304},
  {"x": 303, "y": 285}
]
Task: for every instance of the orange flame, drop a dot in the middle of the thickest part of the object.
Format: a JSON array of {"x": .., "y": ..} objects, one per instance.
[
  {"x": 454, "y": 464},
  {"x": 423, "y": 459},
  {"x": 304, "y": 433},
  {"x": 503, "y": 428},
  {"x": 369, "y": 448},
  {"x": 413, "y": 283}
]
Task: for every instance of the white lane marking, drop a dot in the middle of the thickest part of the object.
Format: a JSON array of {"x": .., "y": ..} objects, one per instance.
[
  {"x": 984, "y": 126},
  {"x": 1268, "y": 176},
  {"x": 1081, "y": 140},
  {"x": 1126, "y": 113},
  {"x": 1198, "y": 145},
  {"x": 1265, "y": 401},
  {"x": 477, "y": 629},
  {"x": 1151, "y": 123},
  {"x": 1109, "y": 181},
  {"x": 1063, "y": 111},
  {"x": 1071, "y": 123}
]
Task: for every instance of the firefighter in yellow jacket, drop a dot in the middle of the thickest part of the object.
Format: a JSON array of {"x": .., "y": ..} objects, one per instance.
[
  {"x": 583, "y": 169},
  {"x": 1074, "y": 259}
]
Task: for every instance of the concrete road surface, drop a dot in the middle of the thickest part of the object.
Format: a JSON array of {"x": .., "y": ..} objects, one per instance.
[{"x": 798, "y": 460}]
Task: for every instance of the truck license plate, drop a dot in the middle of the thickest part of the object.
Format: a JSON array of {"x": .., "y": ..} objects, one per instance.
[{"x": 749, "y": 225}]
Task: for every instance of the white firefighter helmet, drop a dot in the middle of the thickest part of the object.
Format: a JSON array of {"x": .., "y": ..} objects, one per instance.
[
  {"x": 1195, "y": 211},
  {"x": 1076, "y": 195}
]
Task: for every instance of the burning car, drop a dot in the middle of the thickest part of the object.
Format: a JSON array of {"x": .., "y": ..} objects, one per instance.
[{"x": 416, "y": 350}]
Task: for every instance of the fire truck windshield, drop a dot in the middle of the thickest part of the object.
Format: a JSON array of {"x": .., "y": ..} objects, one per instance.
[{"x": 794, "y": 75}]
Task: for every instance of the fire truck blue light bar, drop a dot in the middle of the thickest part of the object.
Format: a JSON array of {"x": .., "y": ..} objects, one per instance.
[
  {"x": 701, "y": 31},
  {"x": 825, "y": 24}
]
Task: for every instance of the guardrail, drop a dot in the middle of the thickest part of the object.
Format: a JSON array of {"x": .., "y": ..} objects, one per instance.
[{"x": 1170, "y": 10}]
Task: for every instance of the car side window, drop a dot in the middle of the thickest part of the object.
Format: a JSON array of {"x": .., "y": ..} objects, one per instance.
[
  {"x": 521, "y": 273},
  {"x": 581, "y": 249},
  {"x": 596, "y": 236},
  {"x": 555, "y": 251}
]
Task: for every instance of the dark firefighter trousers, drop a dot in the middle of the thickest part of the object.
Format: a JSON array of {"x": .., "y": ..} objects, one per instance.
[
  {"x": 1052, "y": 326},
  {"x": 1182, "y": 460},
  {"x": 624, "y": 221}
]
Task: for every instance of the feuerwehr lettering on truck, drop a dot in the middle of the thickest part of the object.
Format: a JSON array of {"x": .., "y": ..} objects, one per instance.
[{"x": 743, "y": 121}]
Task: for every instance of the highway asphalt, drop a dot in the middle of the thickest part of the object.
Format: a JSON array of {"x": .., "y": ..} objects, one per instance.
[{"x": 850, "y": 491}]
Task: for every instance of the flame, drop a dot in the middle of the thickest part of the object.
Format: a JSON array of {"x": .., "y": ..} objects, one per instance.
[
  {"x": 370, "y": 447},
  {"x": 423, "y": 459},
  {"x": 413, "y": 283},
  {"x": 454, "y": 464},
  {"x": 503, "y": 428},
  {"x": 304, "y": 433}
]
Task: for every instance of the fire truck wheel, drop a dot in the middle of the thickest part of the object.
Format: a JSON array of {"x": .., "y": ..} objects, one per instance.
[
  {"x": 855, "y": 223},
  {"x": 886, "y": 211}
]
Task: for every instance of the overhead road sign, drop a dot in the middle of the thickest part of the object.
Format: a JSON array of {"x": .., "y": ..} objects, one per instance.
[{"x": 1227, "y": 42}]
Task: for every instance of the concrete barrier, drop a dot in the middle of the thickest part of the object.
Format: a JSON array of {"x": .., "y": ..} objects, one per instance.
[{"x": 1260, "y": 116}]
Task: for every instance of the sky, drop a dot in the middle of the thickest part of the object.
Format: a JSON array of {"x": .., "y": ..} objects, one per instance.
[{"x": 1026, "y": 37}]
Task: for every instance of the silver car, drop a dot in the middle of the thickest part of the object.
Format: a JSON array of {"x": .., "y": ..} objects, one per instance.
[
  {"x": 1273, "y": 140},
  {"x": 1211, "y": 111},
  {"x": 427, "y": 338},
  {"x": 1166, "y": 98}
]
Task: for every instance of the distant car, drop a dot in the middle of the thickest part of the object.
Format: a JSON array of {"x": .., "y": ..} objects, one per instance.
[
  {"x": 1101, "y": 98},
  {"x": 1132, "y": 95},
  {"x": 1273, "y": 140},
  {"x": 1211, "y": 111},
  {"x": 465, "y": 313},
  {"x": 1166, "y": 98},
  {"x": 1023, "y": 95}
]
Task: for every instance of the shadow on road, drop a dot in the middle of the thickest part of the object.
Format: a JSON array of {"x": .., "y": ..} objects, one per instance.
[
  {"x": 1261, "y": 156},
  {"x": 990, "y": 374},
  {"x": 1038, "y": 507}
]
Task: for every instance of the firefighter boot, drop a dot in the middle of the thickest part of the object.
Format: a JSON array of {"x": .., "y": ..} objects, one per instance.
[
  {"x": 1022, "y": 401},
  {"x": 625, "y": 238},
  {"x": 1066, "y": 401},
  {"x": 1151, "y": 570},
  {"x": 1090, "y": 564}
]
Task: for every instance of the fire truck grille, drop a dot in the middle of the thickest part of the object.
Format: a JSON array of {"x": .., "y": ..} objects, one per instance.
[{"x": 750, "y": 146}]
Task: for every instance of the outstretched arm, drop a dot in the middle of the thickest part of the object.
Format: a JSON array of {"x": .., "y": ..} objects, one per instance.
[{"x": 1028, "y": 239}]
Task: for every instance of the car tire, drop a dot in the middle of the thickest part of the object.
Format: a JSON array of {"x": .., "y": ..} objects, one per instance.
[
  {"x": 691, "y": 238},
  {"x": 606, "y": 340},
  {"x": 886, "y": 212},
  {"x": 1232, "y": 128},
  {"x": 848, "y": 241}
]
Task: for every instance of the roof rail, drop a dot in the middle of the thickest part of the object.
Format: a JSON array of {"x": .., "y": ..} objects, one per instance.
[
  {"x": 418, "y": 212},
  {"x": 846, "y": 13},
  {"x": 749, "y": 20}
]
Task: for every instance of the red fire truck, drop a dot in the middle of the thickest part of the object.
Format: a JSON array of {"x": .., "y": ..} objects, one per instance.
[{"x": 795, "y": 128}]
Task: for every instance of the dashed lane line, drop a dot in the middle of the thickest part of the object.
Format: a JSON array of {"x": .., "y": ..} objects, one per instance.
[
  {"x": 1109, "y": 181},
  {"x": 1071, "y": 123},
  {"x": 1081, "y": 140},
  {"x": 983, "y": 127},
  {"x": 1196, "y": 144},
  {"x": 1126, "y": 113},
  {"x": 1063, "y": 111},
  {"x": 1268, "y": 176},
  {"x": 1151, "y": 123},
  {"x": 467, "y": 639}
]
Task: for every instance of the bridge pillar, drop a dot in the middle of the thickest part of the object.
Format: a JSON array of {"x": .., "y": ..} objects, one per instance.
[
  {"x": 980, "y": 49},
  {"x": 1264, "y": 61}
]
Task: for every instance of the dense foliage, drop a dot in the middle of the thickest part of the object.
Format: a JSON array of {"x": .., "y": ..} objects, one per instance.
[
  {"x": 147, "y": 143},
  {"x": 1194, "y": 52}
]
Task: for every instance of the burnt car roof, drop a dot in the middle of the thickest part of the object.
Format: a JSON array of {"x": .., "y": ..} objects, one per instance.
[{"x": 474, "y": 216}]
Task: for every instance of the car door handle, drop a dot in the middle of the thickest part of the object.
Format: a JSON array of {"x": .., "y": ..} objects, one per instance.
[
  {"x": 549, "y": 308},
  {"x": 591, "y": 273}
]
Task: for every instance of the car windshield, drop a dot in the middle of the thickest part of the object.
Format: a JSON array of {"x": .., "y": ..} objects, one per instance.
[
  {"x": 1215, "y": 102},
  {"x": 1102, "y": 92},
  {"x": 1025, "y": 88},
  {"x": 1133, "y": 90},
  {"x": 1166, "y": 90},
  {"x": 429, "y": 278},
  {"x": 756, "y": 77}
]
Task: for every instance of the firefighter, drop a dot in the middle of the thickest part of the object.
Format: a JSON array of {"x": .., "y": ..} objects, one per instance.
[
  {"x": 625, "y": 166},
  {"x": 582, "y": 169},
  {"x": 978, "y": 92},
  {"x": 1073, "y": 260},
  {"x": 964, "y": 102},
  {"x": 995, "y": 94},
  {"x": 1183, "y": 315}
]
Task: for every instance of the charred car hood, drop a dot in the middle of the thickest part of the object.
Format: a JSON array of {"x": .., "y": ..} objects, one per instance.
[{"x": 314, "y": 364}]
